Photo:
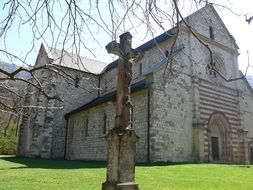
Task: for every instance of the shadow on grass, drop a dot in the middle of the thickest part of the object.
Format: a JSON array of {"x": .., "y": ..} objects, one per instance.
[
  {"x": 164, "y": 164},
  {"x": 52, "y": 164},
  {"x": 69, "y": 164},
  {"x": 74, "y": 164}
]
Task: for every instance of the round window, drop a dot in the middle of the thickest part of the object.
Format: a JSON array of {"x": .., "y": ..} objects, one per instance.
[{"x": 216, "y": 68}]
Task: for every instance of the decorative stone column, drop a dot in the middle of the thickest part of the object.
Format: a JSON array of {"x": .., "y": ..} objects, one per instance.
[
  {"x": 199, "y": 150},
  {"x": 244, "y": 152}
]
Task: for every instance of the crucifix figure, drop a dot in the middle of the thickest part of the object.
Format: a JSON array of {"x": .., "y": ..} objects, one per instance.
[
  {"x": 126, "y": 56},
  {"x": 122, "y": 138}
]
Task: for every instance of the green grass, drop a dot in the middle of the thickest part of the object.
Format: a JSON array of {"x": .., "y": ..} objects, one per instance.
[{"x": 27, "y": 173}]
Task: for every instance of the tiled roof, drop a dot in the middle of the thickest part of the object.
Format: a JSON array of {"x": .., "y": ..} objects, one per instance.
[
  {"x": 11, "y": 67},
  {"x": 76, "y": 62},
  {"x": 146, "y": 46}
]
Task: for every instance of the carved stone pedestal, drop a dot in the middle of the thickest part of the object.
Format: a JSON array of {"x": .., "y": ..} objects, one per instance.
[{"x": 121, "y": 160}]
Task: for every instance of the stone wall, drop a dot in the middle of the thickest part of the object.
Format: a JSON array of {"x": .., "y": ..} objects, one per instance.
[
  {"x": 246, "y": 106},
  {"x": 246, "y": 109},
  {"x": 202, "y": 20},
  {"x": 108, "y": 81},
  {"x": 74, "y": 96},
  {"x": 87, "y": 130},
  {"x": 171, "y": 131},
  {"x": 43, "y": 132}
]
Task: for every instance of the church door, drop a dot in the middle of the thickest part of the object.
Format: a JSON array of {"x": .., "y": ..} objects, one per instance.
[
  {"x": 219, "y": 137},
  {"x": 215, "y": 148}
]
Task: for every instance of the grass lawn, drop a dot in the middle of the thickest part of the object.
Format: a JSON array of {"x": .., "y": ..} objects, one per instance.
[{"x": 29, "y": 174}]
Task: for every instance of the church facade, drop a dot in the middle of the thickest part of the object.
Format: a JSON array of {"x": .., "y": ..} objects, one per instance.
[{"x": 183, "y": 111}]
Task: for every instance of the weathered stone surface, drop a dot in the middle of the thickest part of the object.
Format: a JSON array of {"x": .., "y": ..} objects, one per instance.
[
  {"x": 114, "y": 141},
  {"x": 94, "y": 146},
  {"x": 127, "y": 186},
  {"x": 121, "y": 160},
  {"x": 45, "y": 128},
  {"x": 127, "y": 156}
]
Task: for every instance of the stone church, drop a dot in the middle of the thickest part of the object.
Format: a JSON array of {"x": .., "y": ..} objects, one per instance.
[{"x": 182, "y": 112}]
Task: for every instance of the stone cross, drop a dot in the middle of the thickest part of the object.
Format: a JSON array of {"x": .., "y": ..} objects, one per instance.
[
  {"x": 126, "y": 55},
  {"x": 122, "y": 138}
]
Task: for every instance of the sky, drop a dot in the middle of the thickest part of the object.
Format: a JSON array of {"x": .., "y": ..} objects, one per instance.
[
  {"x": 241, "y": 30},
  {"x": 19, "y": 38}
]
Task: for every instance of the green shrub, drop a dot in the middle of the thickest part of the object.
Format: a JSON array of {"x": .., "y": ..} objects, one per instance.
[
  {"x": 8, "y": 145},
  {"x": 8, "y": 139}
]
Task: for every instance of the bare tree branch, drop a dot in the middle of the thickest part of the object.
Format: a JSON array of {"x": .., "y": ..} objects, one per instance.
[
  {"x": 70, "y": 25},
  {"x": 248, "y": 20}
]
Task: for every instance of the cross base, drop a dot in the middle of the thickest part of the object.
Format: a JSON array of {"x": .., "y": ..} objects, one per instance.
[
  {"x": 121, "y": 160},
  {"x": 127, "y": 186},
  {"x": 120, "y": 186}
]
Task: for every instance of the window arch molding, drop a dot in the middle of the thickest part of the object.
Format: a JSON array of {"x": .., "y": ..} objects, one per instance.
[{"x": 218, "y": 64}]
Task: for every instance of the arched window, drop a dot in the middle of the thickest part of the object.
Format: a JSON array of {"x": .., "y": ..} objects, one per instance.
[
  {"x": 86, "y": 124},
  {"x": 104, "y": 123},
  {"x": 84, "y": 127},
  {"x": 77, "y": 81},
  {"x": 71, "y": 128},
  {"x": 140, "y": 69},
  {"x": 211, "y": 33}
]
